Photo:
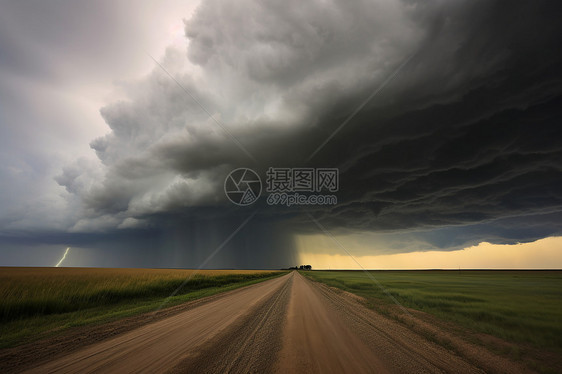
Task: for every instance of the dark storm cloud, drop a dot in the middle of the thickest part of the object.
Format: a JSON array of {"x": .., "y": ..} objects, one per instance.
[
  {"x": 464, "y": 145},
  {"x": 490, "y": 149},
  {"x": 508, "y": 164}
]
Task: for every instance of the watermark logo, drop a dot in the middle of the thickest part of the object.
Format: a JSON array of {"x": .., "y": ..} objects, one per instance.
[
  {"x": 242, "y": 186},
  {"x": 285, "y": 186},
  {"x": 302, "y": 186},
  {"x": 302, "y": 180}
]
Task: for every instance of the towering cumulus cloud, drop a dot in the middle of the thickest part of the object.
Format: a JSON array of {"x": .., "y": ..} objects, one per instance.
[{"x": 462, "y": 145}]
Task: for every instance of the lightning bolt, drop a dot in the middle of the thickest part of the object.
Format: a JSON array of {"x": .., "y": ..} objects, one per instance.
[{"x": 63, "y": 257}]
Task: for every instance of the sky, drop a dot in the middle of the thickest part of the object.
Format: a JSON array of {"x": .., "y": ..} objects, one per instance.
[{"x": 121, "y": 121}]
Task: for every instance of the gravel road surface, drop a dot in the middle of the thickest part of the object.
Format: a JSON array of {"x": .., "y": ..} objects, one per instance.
[{"x": 288, "y": 325}]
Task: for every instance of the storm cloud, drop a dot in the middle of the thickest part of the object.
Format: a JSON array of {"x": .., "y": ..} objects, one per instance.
[{"x": 462, "y": 145}]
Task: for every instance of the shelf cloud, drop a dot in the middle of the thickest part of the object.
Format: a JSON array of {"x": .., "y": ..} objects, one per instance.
[{"x": 460, "y": 141}]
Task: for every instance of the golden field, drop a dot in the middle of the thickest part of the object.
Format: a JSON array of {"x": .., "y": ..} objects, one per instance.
[{"x": 36, "y": 298}]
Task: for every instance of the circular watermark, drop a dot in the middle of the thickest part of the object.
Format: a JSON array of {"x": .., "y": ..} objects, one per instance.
[{"x": 242, "y": 186}]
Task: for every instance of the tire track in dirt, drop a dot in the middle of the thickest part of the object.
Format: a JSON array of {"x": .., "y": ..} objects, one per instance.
[{"x": 249, "y": 346}]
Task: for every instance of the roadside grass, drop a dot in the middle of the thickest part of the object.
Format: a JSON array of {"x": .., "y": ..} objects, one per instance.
[
  {"x": 517, "y": 306},
  {"x": 38, "y": 302}
]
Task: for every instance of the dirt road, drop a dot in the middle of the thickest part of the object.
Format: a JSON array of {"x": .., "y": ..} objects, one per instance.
[{"x": 288, "y": 324}]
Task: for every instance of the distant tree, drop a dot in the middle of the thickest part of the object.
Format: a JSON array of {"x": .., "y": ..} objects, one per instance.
[{"x": 307, "y": 267}]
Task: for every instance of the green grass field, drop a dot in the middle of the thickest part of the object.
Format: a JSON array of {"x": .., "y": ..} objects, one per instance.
[
  {"x": 35, "y": 302},
  {"x": 518, "y": 306}
]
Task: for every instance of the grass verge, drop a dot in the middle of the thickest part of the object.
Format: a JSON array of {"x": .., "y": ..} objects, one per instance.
[{"x": 523, "y": 307}]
